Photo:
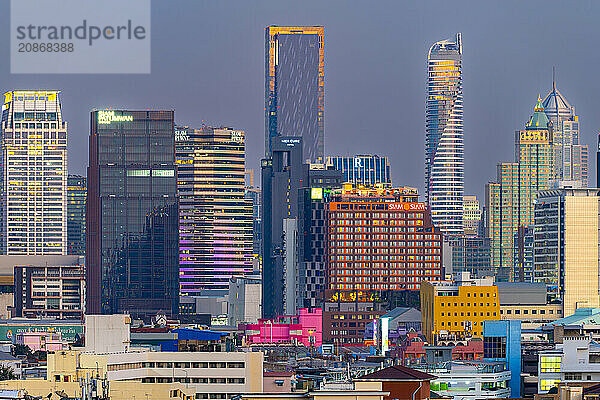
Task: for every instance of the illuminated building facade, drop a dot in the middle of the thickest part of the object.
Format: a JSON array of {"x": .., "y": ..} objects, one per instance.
[
  {"x": 570, "y": 157},
  {"x": 381, "y": 245},
  {"x": 215, "y": 218},
  {"x": 509, "y": 200},
  {"x": 33, "y": 174},
  {"x": 76, "y": 194},
  {"x": 253, "y": 194},
  {"x": 295, "y": 87},
  {"x": 456, "y": 309},
  {"x": 363, "y": 169},
  {"x": 132, "y": 229},
  {"x": 444, "y": 145},
  {"x": 471, "y": 215}
]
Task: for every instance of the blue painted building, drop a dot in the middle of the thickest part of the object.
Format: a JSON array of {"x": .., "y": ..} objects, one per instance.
[
  {"x": 502, "y": 342},
  {"x": 363, "y": 169}
]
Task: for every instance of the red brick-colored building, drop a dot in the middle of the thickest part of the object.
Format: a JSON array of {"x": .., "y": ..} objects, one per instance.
[{"x": 380, "y": 242}]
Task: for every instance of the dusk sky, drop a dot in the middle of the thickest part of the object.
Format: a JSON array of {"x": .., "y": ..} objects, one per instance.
[{"x": 208, "y": 65}]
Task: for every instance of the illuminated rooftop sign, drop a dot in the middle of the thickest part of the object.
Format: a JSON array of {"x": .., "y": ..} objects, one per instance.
[
  {"x": 316, "y": 193},
  {"x": 107, "y": 117}
]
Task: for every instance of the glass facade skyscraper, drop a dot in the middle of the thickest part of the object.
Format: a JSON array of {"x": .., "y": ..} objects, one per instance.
[
  {"x": 509, "y": 200},
  {"x": 132, "y": 235},
  {"x": 33, "y": 174},
  {"x": 363, "y": 169},
  {"x": 444, "y": 146},
  {"x": 295, "y": 87},
  {"x": 215, "y": 229},
  {"x": 76, "y": 194}
]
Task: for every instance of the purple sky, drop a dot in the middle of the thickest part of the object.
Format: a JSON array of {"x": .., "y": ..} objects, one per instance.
[{"x": 208, "y": 64}]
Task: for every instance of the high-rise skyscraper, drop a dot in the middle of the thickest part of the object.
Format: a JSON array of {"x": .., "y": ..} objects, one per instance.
[
  {"x": 566, "y": 246},
  {"x": 33, "y": 174},
  {"x": 509, "y": 200},
  {"x": 282, "y": 176},
  {"x": 570, "y": 157},
  {"x": 132, "y": 235},
  {"x": 363, "y": 169},
  {"x": 444, "y": 146},
  {"x": 215, "y": 219},
  {"x": 76, "y": 194},
  {"x": 380, "y": 245},
  {"x": 295, "y": 87}
]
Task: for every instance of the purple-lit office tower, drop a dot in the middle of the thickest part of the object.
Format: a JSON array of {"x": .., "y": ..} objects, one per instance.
[{"x": 215, "y": 220}]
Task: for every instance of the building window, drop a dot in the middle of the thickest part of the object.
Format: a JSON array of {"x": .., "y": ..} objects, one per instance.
[
  {"x": 494, "y": 347},
  {"x": 550, "y": 364},
  {"x": 572, "y": 376},
  {"x": 547, "y": 384}
]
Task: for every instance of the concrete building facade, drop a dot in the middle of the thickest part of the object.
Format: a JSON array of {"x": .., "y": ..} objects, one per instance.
[
  {"x": 566, "y": 246},
  {"x": 457, "y": 309}
]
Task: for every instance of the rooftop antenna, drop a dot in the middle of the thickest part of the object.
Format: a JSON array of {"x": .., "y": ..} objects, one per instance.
[{"x": 553, "y": 78}]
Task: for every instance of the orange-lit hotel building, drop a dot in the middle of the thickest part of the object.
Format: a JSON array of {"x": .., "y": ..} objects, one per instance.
[{"x": 381, "y": 244}]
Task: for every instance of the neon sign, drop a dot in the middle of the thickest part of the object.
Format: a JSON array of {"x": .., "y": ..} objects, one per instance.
[{"x": 107, "y": 117}]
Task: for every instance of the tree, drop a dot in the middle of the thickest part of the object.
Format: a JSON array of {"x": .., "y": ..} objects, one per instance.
[
  {"x": 21, "y": 350},
  {"x": 7, "y": 373},
  {"x": 40, "y": 355}
]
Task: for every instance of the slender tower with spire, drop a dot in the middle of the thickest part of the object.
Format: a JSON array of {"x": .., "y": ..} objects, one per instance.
[
  {"x": 570, "y": 156},
  {"x": 509, "y": 200}
]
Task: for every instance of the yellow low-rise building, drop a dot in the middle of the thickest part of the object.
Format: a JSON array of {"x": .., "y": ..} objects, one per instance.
[{"x": 457, "y": 309}]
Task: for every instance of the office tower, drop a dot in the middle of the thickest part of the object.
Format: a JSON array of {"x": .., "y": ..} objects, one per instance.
[
  {"x": 295, "y": 86},
  {"x": 380, "y": 245},
  {"x": 471, "y": 254},
  {"x": 523, "y": 254},
  {"x": 509, "y": 200},
  {"x": 444, "y": 146},
  {"x": 215, "y": 219},
  {"x": 282, "y": 176},
  {"x": 570, "y": 157},
  {"x": 312, "y": 233},
  {"x": 253, "y": 194},
  {"x": 471, "y": 215},
  {"x": 76, "y": 194},
  {"x": 458, "y": 308},
  {"x": 566, "y": 246},
  {"x": 363, "y": 169},
  {"x": 132, "y": 230},
  {"x": 598, "y": 163},
  {"x": 33, "y": 174}
]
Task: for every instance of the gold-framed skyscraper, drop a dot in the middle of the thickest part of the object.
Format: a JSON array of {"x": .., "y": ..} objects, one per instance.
[{"x": 295, "y": 87}]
